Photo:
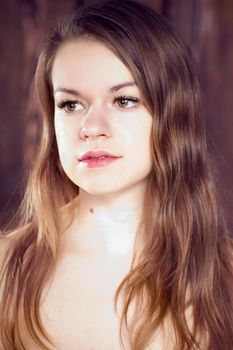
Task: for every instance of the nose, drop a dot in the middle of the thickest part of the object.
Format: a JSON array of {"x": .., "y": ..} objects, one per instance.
[{"x": 95, "y": 125}]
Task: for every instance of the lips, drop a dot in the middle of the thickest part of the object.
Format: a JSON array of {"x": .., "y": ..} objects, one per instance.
[{"x": 97, "y": 155}]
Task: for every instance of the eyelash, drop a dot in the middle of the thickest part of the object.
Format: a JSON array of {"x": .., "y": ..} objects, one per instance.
[
  {"x": 63, "y": 104},
  {"x": 135, "y": 100}
]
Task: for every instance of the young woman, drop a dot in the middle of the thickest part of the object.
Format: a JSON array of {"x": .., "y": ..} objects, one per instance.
[{"x": 120, "y": 209}]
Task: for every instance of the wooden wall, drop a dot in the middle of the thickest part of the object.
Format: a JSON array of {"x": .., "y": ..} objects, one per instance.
[{"x": 205, "y": 25}]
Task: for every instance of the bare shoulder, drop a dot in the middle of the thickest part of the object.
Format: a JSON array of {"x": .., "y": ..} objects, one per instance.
[{"x": 164, "y": 338}]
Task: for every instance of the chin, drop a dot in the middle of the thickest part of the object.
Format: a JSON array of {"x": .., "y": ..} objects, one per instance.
[
  {"x": 100, "y": 191},
  {"x": 99, "y": 188}
]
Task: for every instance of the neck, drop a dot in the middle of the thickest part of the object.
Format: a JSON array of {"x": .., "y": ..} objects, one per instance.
[{"x": 106, "y": 225}]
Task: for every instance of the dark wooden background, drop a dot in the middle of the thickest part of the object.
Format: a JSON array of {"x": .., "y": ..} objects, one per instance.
[{"x": 205, "y": 25}]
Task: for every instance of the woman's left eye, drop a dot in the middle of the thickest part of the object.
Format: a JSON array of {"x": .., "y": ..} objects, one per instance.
[{"x": 126, "y": 102}]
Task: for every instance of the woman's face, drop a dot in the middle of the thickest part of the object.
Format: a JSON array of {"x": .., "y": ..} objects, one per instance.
[{"x": 98, "y": 108}]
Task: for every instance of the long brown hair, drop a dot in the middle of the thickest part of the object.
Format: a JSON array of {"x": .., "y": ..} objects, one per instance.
[{"x": 186, "y": 258}]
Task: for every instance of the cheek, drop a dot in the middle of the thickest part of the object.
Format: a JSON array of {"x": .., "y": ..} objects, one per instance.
[
  {"x": 64, "y": 135},
  {"x": 144, "y": 147},
  {"x": 140, "y": 135},
  {"x": 137, "y": 130},
  {"x": 138, "y": 142},
  {"x": 58, "y": 131}
]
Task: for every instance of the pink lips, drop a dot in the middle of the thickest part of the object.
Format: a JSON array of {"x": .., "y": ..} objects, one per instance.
[{"x": 97, "y": 159}]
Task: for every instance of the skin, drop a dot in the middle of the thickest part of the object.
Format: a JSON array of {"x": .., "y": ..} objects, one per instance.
[
  {"x": 96, "y": 251},
  {"x": 112, "y": 194}
]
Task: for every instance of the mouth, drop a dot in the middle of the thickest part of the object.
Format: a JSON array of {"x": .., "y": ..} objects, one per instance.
[
  {"x": 101, "y": 157},
  {"x": 98, "y": 162},
  {"x": 97, "y": 155},
  {"x": 97, "y": 159}
]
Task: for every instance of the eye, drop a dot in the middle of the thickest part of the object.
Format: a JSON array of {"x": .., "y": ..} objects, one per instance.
[
  {"x": 70, "y": 105},
  {"x": 126, "y": 102}
]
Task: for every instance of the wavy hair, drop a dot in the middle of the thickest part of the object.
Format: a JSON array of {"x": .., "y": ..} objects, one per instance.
[{"x": 186, "y": 260}]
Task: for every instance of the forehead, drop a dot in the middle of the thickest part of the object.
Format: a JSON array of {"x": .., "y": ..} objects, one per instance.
[{"x": 89, "y": 65}]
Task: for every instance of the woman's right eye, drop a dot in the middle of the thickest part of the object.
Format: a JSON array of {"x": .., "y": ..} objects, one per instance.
[{"x": 70, "y": 106}]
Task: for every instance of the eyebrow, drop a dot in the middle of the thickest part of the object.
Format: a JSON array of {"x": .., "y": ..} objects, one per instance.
[
  {"x": 120, "y": 86},
  {"x": 112, "y": 89}
]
